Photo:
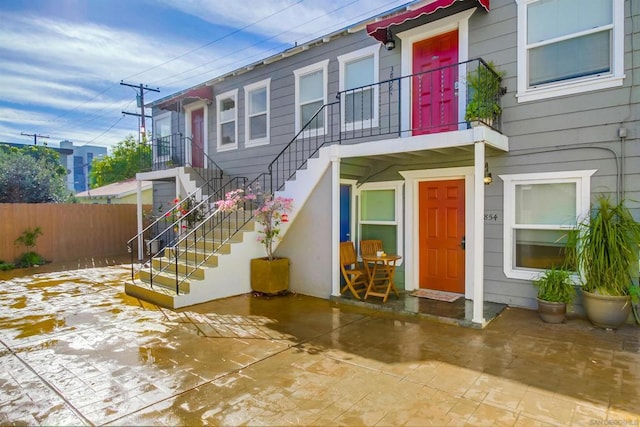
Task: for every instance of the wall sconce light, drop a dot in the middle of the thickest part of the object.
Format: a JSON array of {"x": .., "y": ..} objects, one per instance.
[
  {"x": 284, "y": 218},
  {"x": 390, "y": 44},
  {"x": 487, "y": 175}
]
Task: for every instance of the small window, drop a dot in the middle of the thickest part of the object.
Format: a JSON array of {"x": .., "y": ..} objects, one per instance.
[
  {"x": 311, "y": 96},
  {"x": 257, "y": 115},
  {"x": 358, "y": 78},
  {"x": 162, "y": 137},
  {"x": 380, "y": 216},
  {"x": 541, "y": 211},
  {"x": 569, "y": 46},
  {"x": 227, "y": 120}
]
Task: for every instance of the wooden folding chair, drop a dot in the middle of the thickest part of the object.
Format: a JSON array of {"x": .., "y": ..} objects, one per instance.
[
  {"x": 370, "y": 247},
  {"x": 355, "y": 276}
]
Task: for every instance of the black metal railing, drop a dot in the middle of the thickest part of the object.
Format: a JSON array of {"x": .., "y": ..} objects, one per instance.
[
  {"x": 442, "y": 99},
  {"x": 433, "y": 97},
  {"x": 167, "y": 227}
]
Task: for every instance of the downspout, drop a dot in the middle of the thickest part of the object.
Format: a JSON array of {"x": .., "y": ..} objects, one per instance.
[
  {"x": 335, "y": 221},
  {"x": 139, "y": 214}
]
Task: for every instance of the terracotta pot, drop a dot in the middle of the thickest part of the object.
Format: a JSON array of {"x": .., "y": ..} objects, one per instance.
[
  {"x": 606, "y": 311},
  {"x": 270, "y": 277},
  {"x": 552, "y": 312}
]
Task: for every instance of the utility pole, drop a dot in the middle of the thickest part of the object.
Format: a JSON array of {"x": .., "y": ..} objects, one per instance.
[
  {"x": 35, "y": 137},
  {"x": 140, "y": 99}
]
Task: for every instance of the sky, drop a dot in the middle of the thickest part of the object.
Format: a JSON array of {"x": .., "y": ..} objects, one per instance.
[{"x": 62, "y": 61}]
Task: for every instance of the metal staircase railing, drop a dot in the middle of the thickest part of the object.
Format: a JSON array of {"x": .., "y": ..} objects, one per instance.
[{"x": 162, "y": 231}]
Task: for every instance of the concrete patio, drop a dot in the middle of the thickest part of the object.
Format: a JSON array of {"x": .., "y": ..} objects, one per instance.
[{"x": 75, "y": 350}]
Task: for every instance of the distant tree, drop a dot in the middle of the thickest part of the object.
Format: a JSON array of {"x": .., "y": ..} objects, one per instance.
[
  {"x": 32, "y": 175},
  {"x": 127, "y": 158}
]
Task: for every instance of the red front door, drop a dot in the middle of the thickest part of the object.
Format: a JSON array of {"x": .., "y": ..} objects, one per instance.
[
  {"x": 197, "y": 138},
  {"x": 441, "y": 234},
  {"x": 435, "y": 104}
]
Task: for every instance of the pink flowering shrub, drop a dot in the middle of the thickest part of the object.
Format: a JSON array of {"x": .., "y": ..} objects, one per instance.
[{"x": 268, "y": 211}]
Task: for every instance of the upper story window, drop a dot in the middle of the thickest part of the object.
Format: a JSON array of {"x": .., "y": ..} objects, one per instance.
[
  {"x": 358, "y": 75},
  {"x": 311, "y": 95},
  {"x": 227, "y": 120},
  {"x": 569, "y": 46},
  {"x": 162, "y": 137},
  {"x": 540, "y": 212},
  {"x": 257, "y": 113}
]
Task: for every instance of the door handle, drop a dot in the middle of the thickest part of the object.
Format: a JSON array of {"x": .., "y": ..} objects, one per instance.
[{"x": 463, "y": 243}]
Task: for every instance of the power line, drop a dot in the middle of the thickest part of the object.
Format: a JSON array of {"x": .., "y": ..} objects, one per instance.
[{"x": 238, "y": 30}]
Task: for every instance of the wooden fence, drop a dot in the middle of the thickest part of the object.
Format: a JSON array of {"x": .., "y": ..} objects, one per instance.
[{"x": 69, "y": 231}]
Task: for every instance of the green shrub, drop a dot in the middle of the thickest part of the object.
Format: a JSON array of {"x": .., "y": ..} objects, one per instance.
[
  {"x": 29, "y": 259},
  {"x": 555, "y": 286},
  {"x": 4, "y": 266}
]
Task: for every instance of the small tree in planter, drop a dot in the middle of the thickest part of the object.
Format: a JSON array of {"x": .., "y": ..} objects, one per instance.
[
  {"x": 555, "y": 291},
  {"x": 269, "y": 275}
]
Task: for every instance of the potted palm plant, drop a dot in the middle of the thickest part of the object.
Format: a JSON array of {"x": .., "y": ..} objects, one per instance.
[
  {"x": 606, "y": 249},
  {"x": 555, "y": 291}
]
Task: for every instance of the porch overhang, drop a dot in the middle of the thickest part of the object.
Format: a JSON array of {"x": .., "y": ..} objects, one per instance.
[
  {"x": 174, "y": 102},
  {"x": 437, "y": 141},
  {"x": 380, "y": 29}
]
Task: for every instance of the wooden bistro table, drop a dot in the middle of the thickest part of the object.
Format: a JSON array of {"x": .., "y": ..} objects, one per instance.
[{"x": 381, "y": 270}]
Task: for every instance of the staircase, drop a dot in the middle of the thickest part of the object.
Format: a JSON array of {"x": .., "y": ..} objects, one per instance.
[{"x": 210, "y": 258}]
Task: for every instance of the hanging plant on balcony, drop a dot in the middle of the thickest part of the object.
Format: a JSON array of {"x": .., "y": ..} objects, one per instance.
[{"x": 485, "y": 90}]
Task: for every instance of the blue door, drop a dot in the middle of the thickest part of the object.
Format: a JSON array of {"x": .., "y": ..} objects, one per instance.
[{"x": 345, "y": 212}]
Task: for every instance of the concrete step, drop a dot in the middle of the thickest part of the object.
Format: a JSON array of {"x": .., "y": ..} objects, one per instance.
[
  {"x": 194, "y": 255},
  {"x": 165, "y": 280},
  {"x": 168, "y": 266},
  {"x": 156, "y": 295}
]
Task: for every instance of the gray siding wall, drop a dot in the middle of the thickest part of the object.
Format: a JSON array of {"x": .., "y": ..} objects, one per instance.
[{"x": 574, "y": 132}]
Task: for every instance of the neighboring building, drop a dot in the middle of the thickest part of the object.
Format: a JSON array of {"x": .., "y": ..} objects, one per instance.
[
  {"x": 377, "y": 117},
  {"x": 123, "y": 192},
  {"x": 78, "y": 163}
]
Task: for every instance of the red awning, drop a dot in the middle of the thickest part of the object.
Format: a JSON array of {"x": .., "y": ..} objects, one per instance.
[
  {"x": 202, "y": 92},
  {"x": 378, "y": 30}
]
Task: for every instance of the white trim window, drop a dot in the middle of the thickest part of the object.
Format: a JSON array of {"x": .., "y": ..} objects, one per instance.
[
  {"x": 541, "y": 210},
  {"x": 380, "y": 214},
  {"x": 257, "y": 113},
  {"x": 227, "y": 106},
  {"x": 311, "y": 95},
  {"x": 358, "y": 70},
  {"x": 162, "y": 137},
  {"x": 569, "y": 46}
]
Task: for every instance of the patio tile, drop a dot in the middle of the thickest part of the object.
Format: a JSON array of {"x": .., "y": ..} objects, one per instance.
[{"x": 75, "y": 350}]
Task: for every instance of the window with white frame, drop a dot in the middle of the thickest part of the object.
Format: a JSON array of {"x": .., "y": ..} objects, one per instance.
[
  {"x": 311, "y": 95},
  {"x": 569, "y": 46},
  {"x": 358, "y": 75},
  {"x": 257, "y": 113},
  {"x": 541, "y": 210},
  {"x": 380, "y": 214},
  {"x": 227, "y": 120},
  {"x": 162, "y": 137}
]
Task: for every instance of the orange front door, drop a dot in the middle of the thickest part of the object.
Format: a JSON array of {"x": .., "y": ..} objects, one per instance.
[
  {"x": 197, "y": 138},
  {"x": 435, "y": 101},
  {"x": 441, "y": 234}
]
